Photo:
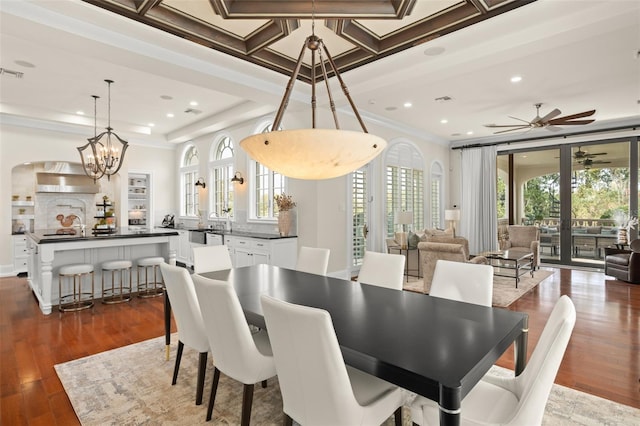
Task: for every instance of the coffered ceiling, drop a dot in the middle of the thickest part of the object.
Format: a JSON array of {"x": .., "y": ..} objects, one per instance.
[
  {"x": 358, "y": 31},
  {"x": 430, "y": 70}
]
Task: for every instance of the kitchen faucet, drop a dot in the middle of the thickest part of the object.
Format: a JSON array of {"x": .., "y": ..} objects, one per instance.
[{"x": 81, "y": 225}]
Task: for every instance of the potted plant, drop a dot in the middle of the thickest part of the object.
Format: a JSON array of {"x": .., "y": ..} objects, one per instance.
[{"x": 285, "y": 203}]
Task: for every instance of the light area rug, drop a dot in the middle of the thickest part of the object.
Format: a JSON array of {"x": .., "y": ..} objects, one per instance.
[
  {"x": 132, "y": 386},
  {"x": 504, "y": 288}
]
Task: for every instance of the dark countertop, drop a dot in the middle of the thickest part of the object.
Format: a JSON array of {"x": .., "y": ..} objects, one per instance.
[
  {"x": 44, "y": 236},
  {"x": 248, "y": 234}
]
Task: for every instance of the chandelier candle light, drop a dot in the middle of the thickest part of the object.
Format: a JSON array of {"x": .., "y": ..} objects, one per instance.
[
  {"x": 314, "y": 153},
  {"x": 107, "y": 150}
]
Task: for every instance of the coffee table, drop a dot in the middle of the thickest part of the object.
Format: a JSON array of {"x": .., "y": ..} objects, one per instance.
[{"x": 511, "y": 263}]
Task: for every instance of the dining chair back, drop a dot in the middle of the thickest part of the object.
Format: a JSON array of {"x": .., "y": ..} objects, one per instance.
[
  {"x": 238, "y": 353},
  {"x": 317, "y": 387},
  {"x": 186, "y": 312},
  {"x": 211, "y": 258},
  {"x": 382, "y": 269},
  {"x": 313, "y": 260},
  {"x": 464, "y": 282},
  {"x": 515, "y": 400}
]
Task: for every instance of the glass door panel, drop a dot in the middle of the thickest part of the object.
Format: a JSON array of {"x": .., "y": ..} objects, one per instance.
[{"x": 600, "y": 189}]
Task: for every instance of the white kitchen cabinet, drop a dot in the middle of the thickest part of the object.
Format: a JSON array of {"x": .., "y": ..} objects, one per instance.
[
  {"x": 246, "y": 251},
  {"x": 20, "y": 254},
  {"x": 183, "y": 254}
]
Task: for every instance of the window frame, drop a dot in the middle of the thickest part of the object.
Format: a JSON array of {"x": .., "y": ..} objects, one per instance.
[
  {"x": 220, "y": 171},
  {"x": 188, "y": 178}
]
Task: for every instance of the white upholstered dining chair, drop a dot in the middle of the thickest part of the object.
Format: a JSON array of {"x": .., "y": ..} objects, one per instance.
[
  {"x": 464, "y": 282},
  {"x": 238, "y": 353},
  {"x": 317, "y": 387},
  {"x": 382, "y": 269},
  {"x": 211, "y": 258},
  {"x": 186, "y": 312},
  {"x": 519, "y": 400},
  {"x": 313, "y": 260}
]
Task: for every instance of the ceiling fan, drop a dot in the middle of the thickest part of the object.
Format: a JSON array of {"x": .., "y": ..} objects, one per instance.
[
  {"x": 587, "y": 163},
  {"x": 581, "y": 155},
  {"x": 548, "y": 121}
]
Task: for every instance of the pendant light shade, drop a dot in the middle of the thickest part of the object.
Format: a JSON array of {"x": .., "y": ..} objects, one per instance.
[{"x": 314, "y": 153}]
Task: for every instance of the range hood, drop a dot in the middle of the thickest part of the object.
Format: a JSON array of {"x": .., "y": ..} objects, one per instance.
[{"x": 66, "y": 178}]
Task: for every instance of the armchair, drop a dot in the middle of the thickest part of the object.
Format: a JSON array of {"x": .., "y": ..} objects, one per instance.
[
  {"x": 452, "y": 249},
  {"x": 623, "y": 264},
  {"x": 524, "y": 236}
]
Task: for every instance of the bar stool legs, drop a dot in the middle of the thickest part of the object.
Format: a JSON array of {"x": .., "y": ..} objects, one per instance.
[
  {"x": 78, "y": 299},
  {"x": 116, "y": 294},
  {"x": 148, "y": 288}
]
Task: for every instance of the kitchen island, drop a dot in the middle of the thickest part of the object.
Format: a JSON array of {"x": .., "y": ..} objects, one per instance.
[{"x": 48, "y": 251}]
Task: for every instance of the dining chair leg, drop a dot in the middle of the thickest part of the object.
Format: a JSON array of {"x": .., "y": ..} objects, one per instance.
[
  {"x": 177, "y": 365},
  {"x": 286, "y": 420},
  {"x": 264, "y": 384},
  {"x": 398, "y": 416},
  {"x": 214, "y": 389},
  {"x": 202, "y": 368},
  {"x": 247, "y": 400}
]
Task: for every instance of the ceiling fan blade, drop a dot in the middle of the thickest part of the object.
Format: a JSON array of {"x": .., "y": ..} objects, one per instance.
[
  {"x": 553, "y": 128},
  {"x": 511, "y": 130},
  {"x": 519, "y": 119},
  {"x": 565, "y": 122},
  {"x": 556, "y": 112},
  {"x": 578, "y": 115},
  {"x": 493, "y": 126}
]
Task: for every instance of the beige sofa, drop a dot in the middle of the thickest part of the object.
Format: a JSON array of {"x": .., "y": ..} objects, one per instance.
[
  {"x": 443, "y": 248},
  {"x": 414, "y": 263}
]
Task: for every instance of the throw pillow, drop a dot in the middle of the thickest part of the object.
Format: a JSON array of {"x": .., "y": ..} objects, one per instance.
[{"x": 413, "y": 241}]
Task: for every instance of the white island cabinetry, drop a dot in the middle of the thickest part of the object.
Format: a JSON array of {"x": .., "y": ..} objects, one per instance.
[{"x": 246, "y": 251}]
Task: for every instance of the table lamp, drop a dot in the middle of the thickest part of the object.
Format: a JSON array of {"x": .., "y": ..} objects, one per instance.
[
  {"x": 404, "y": 218},
  {"x": 452, "y": 216}
]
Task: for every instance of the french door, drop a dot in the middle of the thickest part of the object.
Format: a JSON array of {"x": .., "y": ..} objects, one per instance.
[{"x": 360, "y": 222}]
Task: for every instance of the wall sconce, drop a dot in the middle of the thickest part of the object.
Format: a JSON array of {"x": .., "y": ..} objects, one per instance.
[
  {"x": 238, "y": 178},
  {"x": 200, "y": 182}
]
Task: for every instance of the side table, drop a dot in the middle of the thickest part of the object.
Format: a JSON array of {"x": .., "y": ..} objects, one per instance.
[{"x": 406, "y": 251}]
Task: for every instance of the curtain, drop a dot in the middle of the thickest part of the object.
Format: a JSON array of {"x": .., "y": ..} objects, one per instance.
[{"x": 478, "y": 221}]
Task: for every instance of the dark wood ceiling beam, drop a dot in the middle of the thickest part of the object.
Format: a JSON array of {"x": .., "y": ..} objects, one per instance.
[
  {"x": 266, "y": 9},
  {"x": 268, "y": 34},
  {"x": 359, "y": 36},
  {"x": 143, "y": 6}
]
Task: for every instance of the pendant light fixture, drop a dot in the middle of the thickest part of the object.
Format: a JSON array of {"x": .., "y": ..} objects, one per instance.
[
  {"x": 314, "y": 153},
  {"x": 108, "y": 147},
  {"x": 88, "y": 152}
]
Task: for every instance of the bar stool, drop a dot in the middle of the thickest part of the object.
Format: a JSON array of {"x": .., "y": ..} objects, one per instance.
[
  {"x": 114, "y": 295},
  {"x": 155, "y": 287},
  {"x": 75, "y": 301}
]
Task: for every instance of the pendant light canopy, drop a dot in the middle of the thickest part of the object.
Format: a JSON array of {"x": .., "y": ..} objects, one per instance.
[
  {"x": 107, "y": 150},
  {"x": 314, "y": 153}
]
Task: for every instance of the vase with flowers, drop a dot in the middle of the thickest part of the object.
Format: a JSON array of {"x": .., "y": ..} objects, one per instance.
[
  {"x": 285, "y": 204},
  {"x": 625, "y": 224}
]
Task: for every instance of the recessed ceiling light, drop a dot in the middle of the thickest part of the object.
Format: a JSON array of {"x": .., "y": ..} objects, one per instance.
[
  {"x": 434, "y": 51},
  {"x": 80, "y": 112},
  {"x": 516, "y": 79},
  {"x": 24, "y": 64},
  {"x": 391, "y": 108},
  {"x": 170, "y": 115},
  {"x": 193, "y": 103},
  {"x": 166, "y": 97},
  {"x": 151, "y": 124},
  {"x": 470, "y": 132},
  {"x": 408, "y": 104},
  {"x": 444, "y": 121}
]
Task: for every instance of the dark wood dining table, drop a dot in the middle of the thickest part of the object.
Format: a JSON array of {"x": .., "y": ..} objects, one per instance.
[{"x": 437, "y": 348}]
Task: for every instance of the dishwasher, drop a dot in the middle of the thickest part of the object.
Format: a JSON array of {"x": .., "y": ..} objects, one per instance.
[{"x": 212, "y": 239}]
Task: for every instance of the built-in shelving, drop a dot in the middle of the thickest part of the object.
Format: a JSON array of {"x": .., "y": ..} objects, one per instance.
[{"x": 139, "y": 199}]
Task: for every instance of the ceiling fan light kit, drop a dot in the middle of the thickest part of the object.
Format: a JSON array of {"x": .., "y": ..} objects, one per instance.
[{"x": 549, "y": 121}]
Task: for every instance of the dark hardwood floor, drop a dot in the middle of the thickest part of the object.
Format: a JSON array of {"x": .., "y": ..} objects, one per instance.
[{"x": 603, "y": 357}]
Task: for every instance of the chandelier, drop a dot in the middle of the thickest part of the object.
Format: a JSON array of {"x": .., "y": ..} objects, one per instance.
[
  {"x": 107, "y": 148},
  {"x": 314, "y": 153}
]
